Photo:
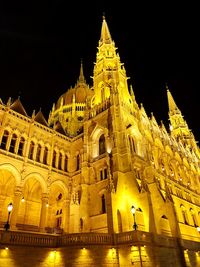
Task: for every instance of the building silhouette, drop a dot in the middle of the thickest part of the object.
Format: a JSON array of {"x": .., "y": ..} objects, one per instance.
[{"x": 73, "y": 180}]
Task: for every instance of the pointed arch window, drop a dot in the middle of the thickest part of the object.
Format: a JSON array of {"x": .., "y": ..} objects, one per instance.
[
  {"x": 195, "y": 223},
  {"x": 39, "y": 148},
  {"x": 184, "y": 214},
  {"x": 60, "y": 161},
  {"x": 132, "y": 144},
  {"x": 103, "y": 204},
  {"x": 13, "y": 143},
  {"x": 45, "y": 155},
  {"x": 21, "y": 146},
  {"x": 31, "y": 150},
  {"x": 54, "y": 159},
  {"x": 66, "y": 163},
  {"x": 102, "y": 144},
  {"x": 4, "y": 139}
]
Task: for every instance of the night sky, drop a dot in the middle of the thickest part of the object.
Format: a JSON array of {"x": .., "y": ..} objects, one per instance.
[{"x": 42, "y": 44}]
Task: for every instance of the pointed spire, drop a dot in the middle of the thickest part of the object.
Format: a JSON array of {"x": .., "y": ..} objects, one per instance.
[
  {"x": 81, "y": 76},
  {"x": 33, "y": 114},
  {"x": 105, "y": 33},
  {"x": 171, "y": 102},
  {"x": 9, "y": 102},
  {"x": 131, "y": 91}
]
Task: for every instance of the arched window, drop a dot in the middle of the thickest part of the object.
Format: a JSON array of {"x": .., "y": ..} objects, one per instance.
[
  {"x": 132, "y": 144},
  {"x": 103, "y": 204},
  {"x": 54, "y": 159},
  {"x": 45, "y": 155},
  {"x": 31, "y": 150},
  {"x": 66, "y": 163},
  {"x": 38, "y": 153},
  {"x": 60, "y": 161},
  {"x": 21, "y": 146},
  {"x": 13, "y": 143},
  {"x": 195, "y": 223},
  {"x": 184, "y": 214},
  {"x": 102, "y": 144},
  {"x": 4, "y": 139}
]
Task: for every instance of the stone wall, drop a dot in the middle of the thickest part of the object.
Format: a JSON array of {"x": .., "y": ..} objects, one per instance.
[{"x": 96, "y": 255}]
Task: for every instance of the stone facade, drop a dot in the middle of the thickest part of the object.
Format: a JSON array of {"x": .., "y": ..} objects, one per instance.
[{"x": 98, "y": 155}]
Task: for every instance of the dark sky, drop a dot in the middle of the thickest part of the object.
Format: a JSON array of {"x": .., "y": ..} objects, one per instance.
[{"x": 42, "y": 43}]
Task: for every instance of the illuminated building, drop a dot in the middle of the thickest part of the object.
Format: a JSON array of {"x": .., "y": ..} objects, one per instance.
[{"x": 78, "y": 175}]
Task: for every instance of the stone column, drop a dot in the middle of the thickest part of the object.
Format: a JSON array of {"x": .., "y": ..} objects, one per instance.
[
  {"x": 2, "y": 204},
  {"x": 66, "y": 215},
  {"x": 16, "y": 205},
  {"x": 109, "y": 212},
  {"x": 84, "y": 208},
  {"x": 43, "y": 212}
]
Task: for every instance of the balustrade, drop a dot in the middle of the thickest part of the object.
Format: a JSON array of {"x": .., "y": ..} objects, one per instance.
[{"x": 52, "y": 240}]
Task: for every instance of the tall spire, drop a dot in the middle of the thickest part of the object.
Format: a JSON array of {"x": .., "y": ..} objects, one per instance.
[
  {"x": 105, "y": 33},
  {"x": 81, "y": 75},
  {"x": 179, "y": 128},
  {"x": 172, "y": 105}
]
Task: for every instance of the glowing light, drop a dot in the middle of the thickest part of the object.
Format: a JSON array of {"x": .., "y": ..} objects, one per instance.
[
  {"x": 198, "y": 229},
  {"x": 23, "y": 200},
  {"x": 133, "y": 210},
  {"x": 10, "y": 207},
  {"x": 6, "y": 248},
  {"x": 47, "y": 205}
]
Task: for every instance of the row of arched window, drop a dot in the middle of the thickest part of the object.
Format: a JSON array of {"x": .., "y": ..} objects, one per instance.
[
  {"x": 36, "y": 152},
  {"x": 192, "y": 214}
]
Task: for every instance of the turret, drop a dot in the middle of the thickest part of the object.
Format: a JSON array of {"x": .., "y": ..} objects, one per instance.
[{"x": 178, "y": 126}]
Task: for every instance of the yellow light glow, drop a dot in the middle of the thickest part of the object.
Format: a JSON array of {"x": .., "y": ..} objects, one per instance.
[{"x": 133, "y": 210}]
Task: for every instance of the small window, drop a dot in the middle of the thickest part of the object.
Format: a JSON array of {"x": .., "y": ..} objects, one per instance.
[
  {"x": 4, "y": 139},
  {"x": 45, "y": 155},
  {"x": 31, "y": 150},
  {"x": 13, "y": 143},
  {"x": 102, "y": 145},
  {"x": 103, "y": 204},
  {"x": 21, "y": 146}
]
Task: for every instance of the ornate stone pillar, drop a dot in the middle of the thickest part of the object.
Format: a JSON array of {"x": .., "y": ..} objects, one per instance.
[
  {"x": 66, "y": 215},
  {"x": 2, "y": 207},
  {"x": 16, "y": 205},
  {"x": 43, "y": 212},
  {"x": 84, "y": 212}
]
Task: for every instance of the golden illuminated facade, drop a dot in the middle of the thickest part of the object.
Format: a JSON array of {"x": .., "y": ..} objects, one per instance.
[{"x": 98, "y": 155}]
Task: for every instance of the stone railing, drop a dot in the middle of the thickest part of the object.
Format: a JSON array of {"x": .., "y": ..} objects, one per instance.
[
  {"x": 85, "y": 239},
  {"x": 27, "y": 239},
  {"x": 135, "y": 238}
]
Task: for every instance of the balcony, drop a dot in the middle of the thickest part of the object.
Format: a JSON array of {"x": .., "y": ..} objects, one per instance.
[{"x": 136, "y": 238}]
